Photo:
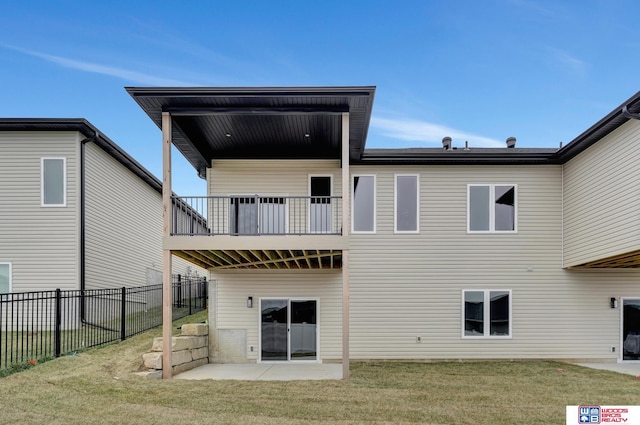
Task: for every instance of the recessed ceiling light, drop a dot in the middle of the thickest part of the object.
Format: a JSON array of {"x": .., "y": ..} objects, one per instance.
[
  {"x": 228, "y": 134},
  {"x": 306, "y": 135}
]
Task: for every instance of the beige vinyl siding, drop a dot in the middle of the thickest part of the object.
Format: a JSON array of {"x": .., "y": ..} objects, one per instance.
[
  {"x": 233, "y": 288},
  {"x": 286, "y": 177},
  {"x": 41, "y": 243},
  {"x": 601, "y": 198},
  {"x": 405, "y": 286},
  {"x": 123, "y": 226}
]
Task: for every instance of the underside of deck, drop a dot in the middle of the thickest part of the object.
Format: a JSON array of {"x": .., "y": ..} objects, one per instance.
[
  {"x": 263, "y": 259},
  {"x": 628, "y": 260}
]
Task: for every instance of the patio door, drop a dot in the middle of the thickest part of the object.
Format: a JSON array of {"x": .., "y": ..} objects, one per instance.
[
  {"x": 631, "y": 329},
  {"x": 288, "y": 329},
  {"x": 320, "y": 210},
  {"x": 257, "y": 215}
]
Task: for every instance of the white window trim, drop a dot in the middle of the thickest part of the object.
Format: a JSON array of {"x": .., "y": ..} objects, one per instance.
[
  {"x": 309, "y": 176},
  {"x": 487, "y": 315},
  {"x": 395, "y": 204},
  {"x": 64, "y": 181},
  {"x": 375, "y": 204},
  {"x": 3, "y": 263},
  {"x": 492, "y": 210}
]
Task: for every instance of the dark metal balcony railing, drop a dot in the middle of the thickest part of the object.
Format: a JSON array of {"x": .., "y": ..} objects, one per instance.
[{"x": 257, "y": 215}]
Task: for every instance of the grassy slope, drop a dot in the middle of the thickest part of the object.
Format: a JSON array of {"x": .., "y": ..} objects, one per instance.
[{"x": 97, "y": 387}]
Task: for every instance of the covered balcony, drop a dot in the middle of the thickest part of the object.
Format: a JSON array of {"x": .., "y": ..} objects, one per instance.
[
  {"x": 245, "y": 218},
  {"x": 207, "y": 124}
]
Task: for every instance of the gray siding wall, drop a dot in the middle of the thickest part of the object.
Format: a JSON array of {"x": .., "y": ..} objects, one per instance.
[
  {"x": 405, "y": 286},
  {"x": 40, "y": 242},
  {"x": 233, "y": 288},
  {"x": 242, "y": 177},
  {"x": 123, "y": 226},
  {"x": 601, "y": 198}
]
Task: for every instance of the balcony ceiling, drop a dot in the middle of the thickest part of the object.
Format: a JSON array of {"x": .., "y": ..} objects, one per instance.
[
  {"x": 263, "y": 259},
  {"x": 260, "y": 123}
]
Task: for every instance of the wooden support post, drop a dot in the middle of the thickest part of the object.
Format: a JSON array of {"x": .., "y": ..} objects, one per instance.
[
  {"x": 167, "y": 317},
  {"x": 346, "y": 229}
]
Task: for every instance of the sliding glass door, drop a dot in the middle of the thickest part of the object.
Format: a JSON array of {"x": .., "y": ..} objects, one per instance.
[{"x": 289, "y": 330}]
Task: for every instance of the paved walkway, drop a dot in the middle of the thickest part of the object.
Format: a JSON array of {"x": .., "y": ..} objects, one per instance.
[
  {"x": 265, "y": 372},
  {"x": 626, "y": 368}
]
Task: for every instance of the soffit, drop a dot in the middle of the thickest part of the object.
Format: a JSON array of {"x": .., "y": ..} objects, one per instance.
[{"x": 261, "y": 122}]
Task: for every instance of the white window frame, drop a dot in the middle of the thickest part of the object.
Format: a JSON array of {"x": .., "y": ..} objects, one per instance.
[
  {"x": 64, "y": 182},
  {"x": 487, "y": 315},
  {"x": 331, "y": 191},
  {"x": 395, "y": 204},
  {"x": 5, "y": 263},
  {"x": 375, "y": 204},
  {"x": 492, "y": 209}
]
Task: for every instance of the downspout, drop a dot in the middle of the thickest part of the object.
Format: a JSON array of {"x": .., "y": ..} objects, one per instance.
[{"x": 83, "y": 313}]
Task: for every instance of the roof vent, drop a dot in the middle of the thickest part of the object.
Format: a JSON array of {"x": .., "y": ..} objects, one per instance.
[
  {"x": 511, "y": 142},
  {"x": 446, "y": 143},
  {"x": 466, "y": 145}
]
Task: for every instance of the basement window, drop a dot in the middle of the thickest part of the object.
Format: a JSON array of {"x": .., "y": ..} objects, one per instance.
[
  {"x": 5, "y": 279},
  {"x": 487, "y": 313}
]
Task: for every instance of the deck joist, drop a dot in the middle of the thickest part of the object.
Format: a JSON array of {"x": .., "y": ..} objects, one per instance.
[{"x": 263, "y": 259}]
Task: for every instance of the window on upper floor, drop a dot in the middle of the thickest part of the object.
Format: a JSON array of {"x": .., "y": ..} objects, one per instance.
[
  {"x": 320, "y": 208},
  {"x": 53, "y": 182},
  {"x": 363, "y": 213},
  {"x": 406, "y": 203},
  {"x": 492, "y": 208},
  {"x": 487, "y": 313},
  {"x": 5, "y": 278}
]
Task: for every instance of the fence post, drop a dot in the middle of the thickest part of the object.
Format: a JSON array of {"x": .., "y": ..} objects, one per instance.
[
  {"x": 190, "y": 285},
  {"x": 123, "y": 314},
  {"x": 56, "y": 349}
]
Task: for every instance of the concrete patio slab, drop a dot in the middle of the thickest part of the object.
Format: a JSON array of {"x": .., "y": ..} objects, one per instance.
[
  {"x": 625, "y": 368},
  {"x": 265, "y": 372}
]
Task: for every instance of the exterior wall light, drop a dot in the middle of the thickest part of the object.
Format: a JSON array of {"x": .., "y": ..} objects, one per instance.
[
  {"x": 613, "y": 302},
  {"x": 250, "y": 302}
]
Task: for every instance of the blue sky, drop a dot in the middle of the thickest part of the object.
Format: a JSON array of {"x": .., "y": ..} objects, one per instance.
[{"x": 543, "y": 71}]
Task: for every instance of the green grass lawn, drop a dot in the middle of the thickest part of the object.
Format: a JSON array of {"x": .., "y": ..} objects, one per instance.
[{"x": 98, "y": 387}]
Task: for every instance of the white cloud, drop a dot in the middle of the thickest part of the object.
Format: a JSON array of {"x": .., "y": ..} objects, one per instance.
[
  {"x": 124, "y": 74},
  {"x": 428, "y": 133},
  {"x": 573, "y": 64}
]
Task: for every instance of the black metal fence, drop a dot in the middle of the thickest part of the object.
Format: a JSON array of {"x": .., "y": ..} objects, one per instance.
[{"x": 40, "y": 325}]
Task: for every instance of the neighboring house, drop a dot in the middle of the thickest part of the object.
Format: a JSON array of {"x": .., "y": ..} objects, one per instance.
[
  {"x": 321, "y": 250},
  {"x": 76, "y": 211}
]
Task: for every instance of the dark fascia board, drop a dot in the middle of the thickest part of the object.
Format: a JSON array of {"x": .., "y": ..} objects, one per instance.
[
  {"x": 306, "y": 91},
  {"x": 606, "y": 125},
  {"x": 88, "y": 130},
  {"x": 477, "y": 156}
]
